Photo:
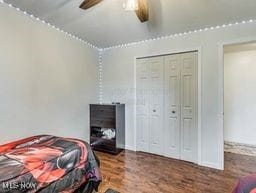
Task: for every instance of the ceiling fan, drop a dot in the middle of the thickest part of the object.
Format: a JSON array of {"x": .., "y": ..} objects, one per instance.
[{"x": 139, "y": 6}]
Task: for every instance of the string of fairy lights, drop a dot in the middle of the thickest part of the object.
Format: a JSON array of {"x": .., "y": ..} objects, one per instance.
[
  {"x": 131, "y": 43},
  {"x": 180, "y": 34},
  {"x": 100, "y": 76}
]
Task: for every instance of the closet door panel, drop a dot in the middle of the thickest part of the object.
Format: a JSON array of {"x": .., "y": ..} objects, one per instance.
[
  {"x": 172, "y": 106},
  {"x": 189, "y": 107},
  {"x": 142, "y": 105},
  {"x": 156, "y": 105}
]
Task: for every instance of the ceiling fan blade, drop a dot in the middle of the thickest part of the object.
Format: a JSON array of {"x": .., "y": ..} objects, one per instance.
[
  {"x": 89, "y": 3},
  {"x": 143, "y": 12}
]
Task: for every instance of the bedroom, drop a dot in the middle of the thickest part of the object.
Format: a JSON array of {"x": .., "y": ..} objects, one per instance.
[{"x": 56, "y": 59}]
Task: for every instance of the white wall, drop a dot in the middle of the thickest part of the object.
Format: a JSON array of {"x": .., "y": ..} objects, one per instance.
[
  {"x": 240, "y": 95},
  {"x": 119, "y": 84},
  {"x": 47, "y": 79}
]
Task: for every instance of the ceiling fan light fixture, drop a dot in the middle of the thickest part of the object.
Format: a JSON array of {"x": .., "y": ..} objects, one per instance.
[{"x": 131, "y": 5}]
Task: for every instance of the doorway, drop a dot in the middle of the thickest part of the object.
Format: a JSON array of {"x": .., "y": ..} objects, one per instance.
[{"x": 239, "y": 98}]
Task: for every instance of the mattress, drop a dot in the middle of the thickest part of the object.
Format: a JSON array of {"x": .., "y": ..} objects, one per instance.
[
  {"x": 47, "y": 164},
  {"x": 246, "y": 185}
]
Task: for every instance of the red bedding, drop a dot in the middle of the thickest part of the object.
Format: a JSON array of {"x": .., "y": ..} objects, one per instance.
[
  {"x": 47, "y": 164},
  {"x": 246, "y": 185}
]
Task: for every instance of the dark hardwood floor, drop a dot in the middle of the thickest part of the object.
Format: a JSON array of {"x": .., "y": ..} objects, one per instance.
[{"x": 131, "y": 172}]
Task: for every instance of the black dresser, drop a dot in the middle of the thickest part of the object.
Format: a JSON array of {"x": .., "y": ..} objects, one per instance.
[{"x": 107, "y": 127}]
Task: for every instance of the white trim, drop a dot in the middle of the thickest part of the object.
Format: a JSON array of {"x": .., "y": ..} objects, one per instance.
[
  {"x": 199, "y": 103},
  {"x": 210, "y": 165},
  {"x": 221, "y": 93},
  {"x": 130, "y": 147},
  {"x": 135, "y": 103},
  {"x": 240, "y": 148},
  {"x": 221, "y": 112},
  {"x": 199, "y": 90},
  {"x": 121, "y": 146}
]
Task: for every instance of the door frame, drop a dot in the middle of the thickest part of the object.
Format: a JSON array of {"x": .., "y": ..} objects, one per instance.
[
  {"x": 221, "y": 46},
  {"x": 199, "y": 92}
]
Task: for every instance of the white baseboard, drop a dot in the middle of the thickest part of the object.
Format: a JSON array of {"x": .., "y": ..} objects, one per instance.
[
  {"x": 130, "y": 147},
  {"x": 240, "y": 148},
  {"x": 212, "y": 165},
  {"x": 122, "y": 146}
]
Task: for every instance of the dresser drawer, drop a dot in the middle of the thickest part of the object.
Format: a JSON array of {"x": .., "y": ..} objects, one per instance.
[
  {"x": 100, "y": 111},
  {"x": 100, "y": 141},
  {"x": 104, "y": 123}
]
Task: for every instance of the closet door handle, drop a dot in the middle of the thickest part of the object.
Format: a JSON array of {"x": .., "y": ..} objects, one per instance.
[
  {"x": 173, "y": 112},
  {"x": 154, "y": 110}
]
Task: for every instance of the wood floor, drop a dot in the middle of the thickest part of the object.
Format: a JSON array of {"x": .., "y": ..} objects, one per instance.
[{"x": 131, "y": 172}]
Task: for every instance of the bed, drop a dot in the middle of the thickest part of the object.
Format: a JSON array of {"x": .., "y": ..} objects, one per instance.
[
  {"x": 48, "y": 163},
  {"x": 246, "y": 185}
]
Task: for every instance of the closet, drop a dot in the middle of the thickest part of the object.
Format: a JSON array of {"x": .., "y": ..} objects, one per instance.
[{"x": 166, "y": 105}]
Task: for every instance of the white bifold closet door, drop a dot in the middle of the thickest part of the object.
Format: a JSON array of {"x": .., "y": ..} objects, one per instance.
[
  {"x": 150, "y": 118},
  {"x": 181, "y": 106},
  {"x": 167, "y": 105},
  {"x": 172, "y": 106},
  {"x": 142, "y": 105}
]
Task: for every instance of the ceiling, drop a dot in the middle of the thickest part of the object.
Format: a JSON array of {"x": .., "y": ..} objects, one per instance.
[{"x": 107, "y": 24}]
